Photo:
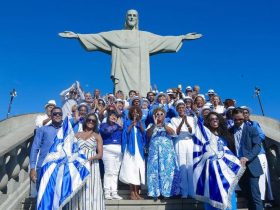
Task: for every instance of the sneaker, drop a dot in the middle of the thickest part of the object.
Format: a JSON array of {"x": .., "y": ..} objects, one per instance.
[
  {"x": 116, "y": 197},
  {"x": 108, "y": 197}
]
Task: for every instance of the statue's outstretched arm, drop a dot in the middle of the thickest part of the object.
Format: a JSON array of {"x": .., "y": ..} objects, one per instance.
[
  {"x": 192, "y": 36},
  {"x": 68, "y": 34}
]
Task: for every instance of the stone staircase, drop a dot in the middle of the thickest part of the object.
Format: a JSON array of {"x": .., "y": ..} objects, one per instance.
[{"x": 146, "y": 204}]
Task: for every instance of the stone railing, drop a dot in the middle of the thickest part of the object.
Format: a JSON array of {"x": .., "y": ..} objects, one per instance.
[
  {"x": 16, "y": 136},
  {"x": 271, "y": 129}
]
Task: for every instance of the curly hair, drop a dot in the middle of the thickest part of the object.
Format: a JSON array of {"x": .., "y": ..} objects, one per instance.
[
  {"x": 132, "y": 109},
  {"x": 95, "y": 127},
  {"x": 222, "y": 130}
]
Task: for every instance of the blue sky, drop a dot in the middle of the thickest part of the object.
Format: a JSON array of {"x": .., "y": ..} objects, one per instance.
[{"x": 240, "y": 48}]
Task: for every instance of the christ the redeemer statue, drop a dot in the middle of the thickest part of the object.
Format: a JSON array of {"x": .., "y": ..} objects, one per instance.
[{"x": 130, "y": 50}]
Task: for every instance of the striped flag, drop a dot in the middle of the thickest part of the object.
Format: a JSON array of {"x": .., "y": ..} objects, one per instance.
[
  {"x": 216, "y": 170},
  {"x": 63, "y": 171}
]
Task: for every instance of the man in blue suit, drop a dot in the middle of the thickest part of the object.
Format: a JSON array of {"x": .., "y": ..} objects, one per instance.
[{"x": 248, "y": 146}]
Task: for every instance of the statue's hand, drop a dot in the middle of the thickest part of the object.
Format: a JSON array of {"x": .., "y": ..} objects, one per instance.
[
  {"x": 192, "y": 36},
  {"x": 68, "y": 34}
]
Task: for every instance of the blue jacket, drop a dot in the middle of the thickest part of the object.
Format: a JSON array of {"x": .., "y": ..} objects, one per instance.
[
  {"x": 128, "y": 139},
  {"x": 260, "y": 131},
  {"x": 250, "y": 147}
]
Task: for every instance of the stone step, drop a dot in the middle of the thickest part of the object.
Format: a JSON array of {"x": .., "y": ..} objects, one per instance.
[
  {"x": 147, "y": 204},
  {"x": 150, "y": 204}
]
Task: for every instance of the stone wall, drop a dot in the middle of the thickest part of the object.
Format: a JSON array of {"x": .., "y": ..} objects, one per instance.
[{"x": 16, "y": 136}]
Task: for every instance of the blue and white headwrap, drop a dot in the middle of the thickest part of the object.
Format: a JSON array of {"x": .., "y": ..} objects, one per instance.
[
  {"x": 63, "y": 172},
  {"x": 216, "y": 170}
]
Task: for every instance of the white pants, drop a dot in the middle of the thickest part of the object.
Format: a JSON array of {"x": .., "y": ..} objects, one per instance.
[
  {"x": 184, "y": 151},
  {"x": 264, "y": 181},
  {"x": 112, "y": 158}
]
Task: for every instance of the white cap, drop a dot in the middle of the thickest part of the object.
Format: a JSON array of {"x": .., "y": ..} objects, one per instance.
[
  {"x": 50, "y": 102},
  {"x": 169, "y": 91},
  {"x": 119, "y": 100},
  {"x": 246, "y": 108},
  {"x": 189, "y": 88},
  {"x": 187, "y": 98},
  {"x": 205, "y": 107},
  {"x": 210, "y": 91},
  {"x": 180, "y": 101}
]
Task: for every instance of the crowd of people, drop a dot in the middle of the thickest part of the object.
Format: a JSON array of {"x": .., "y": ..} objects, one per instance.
[{"x": 148, "y": 141}]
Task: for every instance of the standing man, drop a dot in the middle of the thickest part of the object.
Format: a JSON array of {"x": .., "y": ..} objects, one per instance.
[
  {"x": 248, "y": 146},
  {"x": 184, "y": 127},
  {"x": 43, "y": 141},
  {"x": 264, "y": 182},
  {"x": 130, "y": 50}
]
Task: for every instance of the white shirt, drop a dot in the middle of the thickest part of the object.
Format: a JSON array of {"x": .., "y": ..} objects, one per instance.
[
  {"x": 184, "y": 133},
  {"x": 39, "y": 120},
  {"x": 219, "y": 109}
]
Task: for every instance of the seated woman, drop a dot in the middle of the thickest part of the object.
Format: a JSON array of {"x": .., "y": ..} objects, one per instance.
[
  {"x": 133, "y": 141},
  {"x": 111, "y": 133},
  {"x": 162, "y": 167}
]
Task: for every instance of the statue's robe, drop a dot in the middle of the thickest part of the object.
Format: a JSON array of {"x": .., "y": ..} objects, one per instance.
[{"x": 130, "y": 50}]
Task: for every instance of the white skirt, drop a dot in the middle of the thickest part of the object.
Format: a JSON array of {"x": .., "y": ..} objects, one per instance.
[{"x": 133, "y": 167}]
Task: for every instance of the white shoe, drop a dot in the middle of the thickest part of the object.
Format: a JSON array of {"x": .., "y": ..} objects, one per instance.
[
  {"x": 116, "y": 197},
  {"x": 108, "y": 197}
]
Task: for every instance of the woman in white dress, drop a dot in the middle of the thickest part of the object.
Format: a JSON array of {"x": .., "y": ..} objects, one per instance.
[
  {"x": 90, "y": 197},
  {"x": 133, "y": 141}
]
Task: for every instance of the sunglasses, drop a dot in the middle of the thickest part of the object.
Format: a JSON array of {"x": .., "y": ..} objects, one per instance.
[
  {"x": 159, "y": 114},
  {"x": 91, "y": 120},
  {"x": 57, "y": 114}
]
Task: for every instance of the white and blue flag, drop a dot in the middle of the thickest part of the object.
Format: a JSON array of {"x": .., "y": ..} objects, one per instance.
[
  {"x": 216, "y": 170},
  {"x": 63, "y": 172}
]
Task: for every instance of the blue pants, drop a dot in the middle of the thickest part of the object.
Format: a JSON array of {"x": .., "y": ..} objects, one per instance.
[{"x": 250, "y": 186}]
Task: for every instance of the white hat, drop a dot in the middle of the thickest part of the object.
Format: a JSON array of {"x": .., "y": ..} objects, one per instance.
[
  {"x": 246, "y": 108},
  {"x": 169, "y": 91},
  {"x": 187, "y": 98},
  {"x": 180, "y": 101},
  {"x": 50, "y": 102},
  {"x": 189, "y": 88},
  {"x": 119, "y": 100},
  {"x": 82, "y": 105},
  {"x": 229, "y": 109},
  {"x": 210, "y": 91},
  {"x": 206, "y": 107}
]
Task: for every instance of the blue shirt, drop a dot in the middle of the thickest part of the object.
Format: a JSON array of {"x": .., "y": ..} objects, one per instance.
[
  {"x": 111, "y": 134},
  {"x": 237, "y": 140},
  {"x": 43, "y": 141}
]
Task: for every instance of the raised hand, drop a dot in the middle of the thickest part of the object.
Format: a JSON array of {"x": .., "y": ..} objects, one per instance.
[
  {"x": 192, "y": 36},
  {"x": 68, "y": 34}
]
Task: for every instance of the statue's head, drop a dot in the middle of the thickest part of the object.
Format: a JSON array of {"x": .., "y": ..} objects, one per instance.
[{"x": 131, "y": 21}]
